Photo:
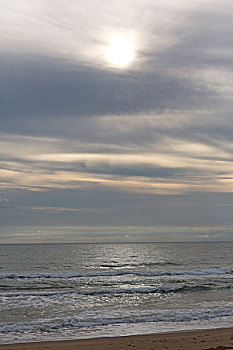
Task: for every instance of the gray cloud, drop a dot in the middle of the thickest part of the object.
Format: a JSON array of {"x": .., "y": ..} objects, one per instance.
[{"x": 32, "y": 92}]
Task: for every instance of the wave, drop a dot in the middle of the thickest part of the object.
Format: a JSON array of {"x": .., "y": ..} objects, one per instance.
[
  {"x": 49, "y": 325},
  {"x": 161, "y": 290},
  {"x": 149, "y": 273},
  {"x": 149, "y": 264}
]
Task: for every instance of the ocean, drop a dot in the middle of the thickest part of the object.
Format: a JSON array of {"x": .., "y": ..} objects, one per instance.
[{"x": 67, "y": 291}]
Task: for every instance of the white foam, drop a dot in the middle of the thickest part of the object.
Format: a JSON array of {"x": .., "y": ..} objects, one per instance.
[
  {"x": 96, "y": 320},
  {"x": 209, "y": 271},
  {"x": 163, "y": 289}
]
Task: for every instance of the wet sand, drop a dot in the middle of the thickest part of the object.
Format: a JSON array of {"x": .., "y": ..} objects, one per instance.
[{"x": 214, "y": 339}]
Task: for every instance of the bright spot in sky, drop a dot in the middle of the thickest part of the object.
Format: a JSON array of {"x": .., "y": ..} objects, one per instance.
[{"x": 120, "y": 52}]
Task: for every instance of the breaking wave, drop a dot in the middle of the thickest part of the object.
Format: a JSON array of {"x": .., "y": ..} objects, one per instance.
[
  {"x": 49, "y": 325},
  {"x": 174, "y": 289},
  {"x": 198, "y": 272}
]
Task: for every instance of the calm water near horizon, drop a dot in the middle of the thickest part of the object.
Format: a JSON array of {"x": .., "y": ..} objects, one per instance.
[{"x": 66, "y": 291}]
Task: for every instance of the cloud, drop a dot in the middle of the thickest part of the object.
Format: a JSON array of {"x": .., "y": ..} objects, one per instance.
[
  {"x": 5, "y": 200},
  {"x": 44, "y": 85},
  {"x": 52, "y": 210},
  {"x": 152, "y": 144},
  {"x": 114, "y": 234},
  {"x": 156, "y": 153},
  {"x": 80, "y": 31},
  {"x": 32, "y": 93}
]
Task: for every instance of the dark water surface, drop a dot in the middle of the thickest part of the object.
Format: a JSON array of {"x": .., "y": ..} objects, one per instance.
[{"x": 65, "y": 291}]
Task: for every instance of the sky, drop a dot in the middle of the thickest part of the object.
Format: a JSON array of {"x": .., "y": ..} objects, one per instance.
[{"x": 116, "y": 120}]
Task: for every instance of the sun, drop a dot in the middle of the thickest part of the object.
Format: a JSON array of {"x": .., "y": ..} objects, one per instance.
[{"x": 120, "y": 52}]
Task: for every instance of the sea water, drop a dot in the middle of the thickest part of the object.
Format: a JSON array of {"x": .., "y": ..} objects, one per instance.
[{"x": 67, "y": 291}]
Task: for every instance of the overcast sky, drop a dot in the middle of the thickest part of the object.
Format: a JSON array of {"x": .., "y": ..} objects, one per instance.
[{"x": 116, "y": 120}]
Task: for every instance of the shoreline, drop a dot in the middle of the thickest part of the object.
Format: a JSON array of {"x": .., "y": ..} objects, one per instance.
[{"x": 207, "y": 339}]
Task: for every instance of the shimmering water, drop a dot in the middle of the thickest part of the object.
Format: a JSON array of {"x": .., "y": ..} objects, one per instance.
[{"x": 65, "y": 291}]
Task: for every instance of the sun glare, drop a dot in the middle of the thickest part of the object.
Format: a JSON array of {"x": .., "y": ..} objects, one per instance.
[{"x": 120, "y": 52}]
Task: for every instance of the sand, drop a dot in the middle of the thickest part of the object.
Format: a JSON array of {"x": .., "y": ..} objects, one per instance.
[{"x": 215, "y": 339}]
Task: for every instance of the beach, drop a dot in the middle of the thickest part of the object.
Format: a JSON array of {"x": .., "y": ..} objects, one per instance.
[{"x": 217, "y": 339}]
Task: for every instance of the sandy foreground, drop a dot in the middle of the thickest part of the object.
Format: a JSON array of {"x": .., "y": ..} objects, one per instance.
[{"x": 214, "y": 339}]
